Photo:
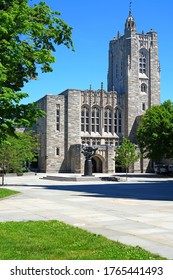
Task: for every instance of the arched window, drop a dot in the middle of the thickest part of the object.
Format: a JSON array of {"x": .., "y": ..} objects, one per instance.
[
  {"x": 108, "y": 120},
  {"x": 85, "y": 119},
  {"x": 143, "y": 87},
  {"x": 95, "y": 120}
]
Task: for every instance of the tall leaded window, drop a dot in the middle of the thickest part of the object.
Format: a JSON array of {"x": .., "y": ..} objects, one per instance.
[
  {"x": 58, "y": 117},
  {"x": 108, "y": 120},
  {"x": 85, "y": 119},
  {"x": 95, "y": 120},
  {"x": 115, "y": 122},
  {"x": 142, "y": 62},
  {"x": 119, "y": 122}
]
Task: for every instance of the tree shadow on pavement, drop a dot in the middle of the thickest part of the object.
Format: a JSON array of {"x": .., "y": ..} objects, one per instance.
[{"x": 142, "y": 191}]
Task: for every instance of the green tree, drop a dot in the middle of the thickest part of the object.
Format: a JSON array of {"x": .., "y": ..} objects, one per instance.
[
  {"x": 28, "y": 37},
  {"x": 17, "y": 152},
  {"x": 155, "y": 132},
  {"x": 126, "y": 154}
]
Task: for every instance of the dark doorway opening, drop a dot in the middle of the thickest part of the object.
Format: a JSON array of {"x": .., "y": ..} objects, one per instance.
[{"x": 97, "y": 165}]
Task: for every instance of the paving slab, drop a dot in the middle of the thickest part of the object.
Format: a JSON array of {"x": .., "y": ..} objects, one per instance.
[{"x": 136, "y": 212}]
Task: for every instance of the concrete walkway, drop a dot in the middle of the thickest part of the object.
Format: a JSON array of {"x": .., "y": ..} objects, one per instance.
[{"x": 136, "y": 212}]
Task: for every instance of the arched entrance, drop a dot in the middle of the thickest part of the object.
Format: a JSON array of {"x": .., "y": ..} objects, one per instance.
[{"x": 97, "y": 165}]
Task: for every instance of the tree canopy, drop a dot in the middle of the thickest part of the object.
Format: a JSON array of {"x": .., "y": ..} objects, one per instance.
[
  {"x": 125, "y": 154},
  {"x": 155, "y": 132},
  {"x": 28, "y": 38},
  {"x": 17, "y": 152}
]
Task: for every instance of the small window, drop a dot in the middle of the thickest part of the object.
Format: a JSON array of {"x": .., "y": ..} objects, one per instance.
[
  {"x": 143, "y": 106},
  {"x": 57, "y": 151},
  {"x": 58, "y": 117}
]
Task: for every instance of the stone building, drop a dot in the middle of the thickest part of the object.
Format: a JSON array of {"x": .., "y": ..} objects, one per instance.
[
  {"x": 102, "y": 118},
  {"x": 134, "y": 72},
  {"x": 77, "y": 117}
]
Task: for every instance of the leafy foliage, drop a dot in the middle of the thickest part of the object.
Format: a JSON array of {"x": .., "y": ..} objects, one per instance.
[
  {"x": 126, "y": 154},
  {"x": 155, "y": 132},
  {"x": 17, "y": 151},
  {"x": 28, "y": 36}
]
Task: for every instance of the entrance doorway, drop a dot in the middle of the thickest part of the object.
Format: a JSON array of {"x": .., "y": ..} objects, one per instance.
[{"x": 97, "y": 165}]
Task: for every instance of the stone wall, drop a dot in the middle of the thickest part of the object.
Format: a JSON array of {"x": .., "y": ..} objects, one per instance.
[
  {"x": 41, "y": 129},
  {"x": 55, "y": 137},
  {"x": 72, "y": 125}
]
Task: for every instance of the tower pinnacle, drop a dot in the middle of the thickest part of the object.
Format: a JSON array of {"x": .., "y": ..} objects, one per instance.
[
  {"x": 130, "y": 9},
  {"x": 130, "y": 25}
]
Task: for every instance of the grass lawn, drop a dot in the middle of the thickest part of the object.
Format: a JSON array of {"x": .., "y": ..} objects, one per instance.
[
  {"x": 6, "y": 192},
  {"x": 53, "y": 240}
]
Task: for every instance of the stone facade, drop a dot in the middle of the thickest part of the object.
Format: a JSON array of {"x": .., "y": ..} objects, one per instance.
[
  {"x": 101, "y": 118},
  {"x": 134, "y": 72},
  {"x": 74, "y": 118}
]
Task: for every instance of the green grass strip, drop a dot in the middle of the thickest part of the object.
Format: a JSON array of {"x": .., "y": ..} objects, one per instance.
[
  {"x": 6, "y": 192},
  {"x": 54, "y": 240}
]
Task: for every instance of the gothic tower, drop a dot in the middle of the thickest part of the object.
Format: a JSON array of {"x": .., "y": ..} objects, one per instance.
[{"x": 134, "y": 72}]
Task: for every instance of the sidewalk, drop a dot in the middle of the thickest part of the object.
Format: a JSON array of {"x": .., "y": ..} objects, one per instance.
[{"x": 136, "y": 212}]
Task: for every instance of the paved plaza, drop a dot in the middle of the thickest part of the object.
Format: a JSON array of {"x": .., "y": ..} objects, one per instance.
[{"x": 136, "y": 212}]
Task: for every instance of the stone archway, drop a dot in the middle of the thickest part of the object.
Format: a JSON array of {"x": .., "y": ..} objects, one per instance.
[{"x": 97, "y": 164}]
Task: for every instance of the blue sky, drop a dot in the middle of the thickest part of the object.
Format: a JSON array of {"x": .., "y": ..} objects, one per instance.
[{"x": 95, "y": 23}]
